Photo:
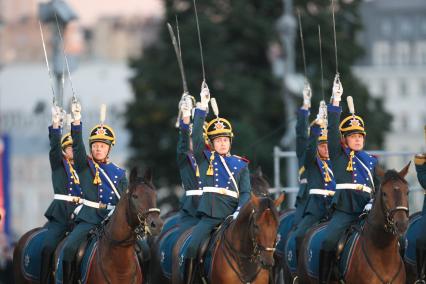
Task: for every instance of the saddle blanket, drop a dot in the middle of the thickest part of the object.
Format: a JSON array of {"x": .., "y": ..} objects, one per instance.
[
  {"x": 414, "y": 229},
  {"x": 31, "y": 255},
  {"x": 312, "y": 251},
  {"x": 286, "y": 224},
  {"x": 85, "y": 265}
]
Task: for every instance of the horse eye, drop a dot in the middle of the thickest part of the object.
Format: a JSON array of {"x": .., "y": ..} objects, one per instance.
[
  {"x": 134, "y": 196},
  {"x": 384, "y": 194}
]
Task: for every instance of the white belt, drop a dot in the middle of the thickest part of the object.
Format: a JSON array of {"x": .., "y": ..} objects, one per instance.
[
  {"x": 194, "y": 192},
  {"x": 353, "y": 186},
  {"x": 303, "y": 181},
  {"x": 324, "y": 192},
  {"x": 221, "y": 190},
  {"x": 69, "y": 198},
  {"x": 97, "y": 205}
]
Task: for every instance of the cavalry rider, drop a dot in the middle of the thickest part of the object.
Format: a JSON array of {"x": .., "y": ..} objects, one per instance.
[
  {"x": 67, "y": 192},
  {"x": 354, "y": 172},
  {"x": 224, "y": 179},
  {"x": 321, "y": 183},
  {"x": 420, "y": 163},
  {"x": 188, "y": 169},
  {"x": 102, "y": 182},
  {"x": 301, "y": 144}
]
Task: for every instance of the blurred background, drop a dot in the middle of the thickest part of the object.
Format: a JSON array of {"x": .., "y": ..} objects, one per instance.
[{"x": 120, "y": 53}]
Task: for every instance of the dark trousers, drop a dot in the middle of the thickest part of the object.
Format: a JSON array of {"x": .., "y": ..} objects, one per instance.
[
  {"x": 339, "y": 222},
  {"x": 74, "y": 239},
  {"x": 200, "y": 232},
  {"x": 186, "y": 221},
  {"x": 56, "y": 232}
]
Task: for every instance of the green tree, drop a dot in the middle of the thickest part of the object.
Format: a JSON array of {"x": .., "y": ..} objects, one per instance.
[{"x": 236, "y": 37}]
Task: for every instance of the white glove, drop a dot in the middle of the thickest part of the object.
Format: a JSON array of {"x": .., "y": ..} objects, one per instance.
[
  {"x": 185, "y": 107},
  {"x": 307, "y": 95},
  {"x": 235, "y": 215},
  {"x": 76, "y": 110},
  {"x": 56, "y": 115},
  {"x": 205, "y": 97},
  {"x": 337, "y": 89},
  {"x": 322, "y": 114},
  {"x": 368, "y": 206}
]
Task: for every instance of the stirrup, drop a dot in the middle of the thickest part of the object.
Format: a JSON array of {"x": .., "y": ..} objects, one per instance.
[
  {"x": 295, "y": 280},
  {"x": 420, "y": 281}
]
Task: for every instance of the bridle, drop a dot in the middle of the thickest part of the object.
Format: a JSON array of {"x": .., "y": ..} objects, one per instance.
[
  {"x": 139, "y": 232},
  {"x": 142, "y": 228},
  {"x": 390, "y": 226},
  {"x": 254, "y": 257}
]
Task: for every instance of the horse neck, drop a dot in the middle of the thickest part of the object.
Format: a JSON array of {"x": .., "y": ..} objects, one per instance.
[
  {"x": 374, "y": 228},
  {"x": 118, "y": 227},
  {"x": 240, "y": 234}
]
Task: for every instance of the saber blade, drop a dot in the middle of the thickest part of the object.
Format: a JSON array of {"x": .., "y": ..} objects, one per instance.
[
  {"x": 199, "y": 43},
  {"x": 66, "y": 59},
  {"x": 47, "y": 62},
  {"x": 335, "y": 40},
  {"x": 322, "y": 70}
]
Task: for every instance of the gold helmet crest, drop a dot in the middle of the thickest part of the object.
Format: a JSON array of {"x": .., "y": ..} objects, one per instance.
[
  {"x": 66, "y": 140},
  {"x": 102, "y": 133},
  {"x": 219, "y": 127},
  {"x": 352, "y": 124}
]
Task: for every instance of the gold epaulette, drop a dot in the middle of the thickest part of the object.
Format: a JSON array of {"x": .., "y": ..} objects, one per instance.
[{"x": 420, "y": 159}]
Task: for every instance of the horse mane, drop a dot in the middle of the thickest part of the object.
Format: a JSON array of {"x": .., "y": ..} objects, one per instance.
[
  {"x": 259, "y": 184},
  {"x": 264, "y": 204},
  {"x": 394, "y": 176}
]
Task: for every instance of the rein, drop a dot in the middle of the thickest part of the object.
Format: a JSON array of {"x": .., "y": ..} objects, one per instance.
[
  {"x": 139, "y": 232},
  {"x": 231, "y": 253},
  {"x": 389, "y": 227}
]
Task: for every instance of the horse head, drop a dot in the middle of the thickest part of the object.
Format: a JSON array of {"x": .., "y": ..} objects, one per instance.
[
  {"x": 263, "y": 227},
  {"x": 142, "y": 209},
  {"x": 393, "y": 198}
]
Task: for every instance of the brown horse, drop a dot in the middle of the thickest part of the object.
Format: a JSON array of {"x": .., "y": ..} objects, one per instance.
[
  {"x": 375, "y": 256},
  {"x": 244, "y": 251},
  {"x": 114, "y": 259},
  {"x": 260, "y": 187}
]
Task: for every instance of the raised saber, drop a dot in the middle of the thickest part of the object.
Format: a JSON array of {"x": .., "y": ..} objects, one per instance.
[
  {"x": 322, "y": 71},
  {"x": 335, "y": 39},
  {"x": 47, "y": 63},
  {"x": 303, "y": 45},
  {"x": 66, "y": 59},
  {"x": 200, "y": 45},
  {"x": 178, "y": 53}
]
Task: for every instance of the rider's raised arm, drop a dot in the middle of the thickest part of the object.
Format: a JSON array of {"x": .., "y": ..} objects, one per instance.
[
  {"x": 334, "y": 146},
  {"x": 183, "y": 143},
  {"x": 311, "y": 149},
  {"x": 55, "y": 153},
  {"x": 79, "y": 151},
  {"x": 197, "y": 134},
  {"x": 301, "y": 134}
]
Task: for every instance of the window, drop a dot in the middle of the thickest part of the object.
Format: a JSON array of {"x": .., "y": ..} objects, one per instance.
[
  {"x": 420, "y": 52},
  {"x": 386, "y": 28},
  {"x": 402, "y": 53},
  {"x": 381, "y": 53},
  {"x": 403, "y": 92}
]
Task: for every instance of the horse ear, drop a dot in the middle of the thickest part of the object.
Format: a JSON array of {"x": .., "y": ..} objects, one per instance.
[
  {"x": 255, "y": 200},
  {"x": 259, "y": 172},
  {"x": 133, "y": 175},
  {"x": 404, "y": 171},
  {"x": 279, "y": 200},
  {"x": 147, "y": 177},
  {"x": 380, "y": 172}
]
